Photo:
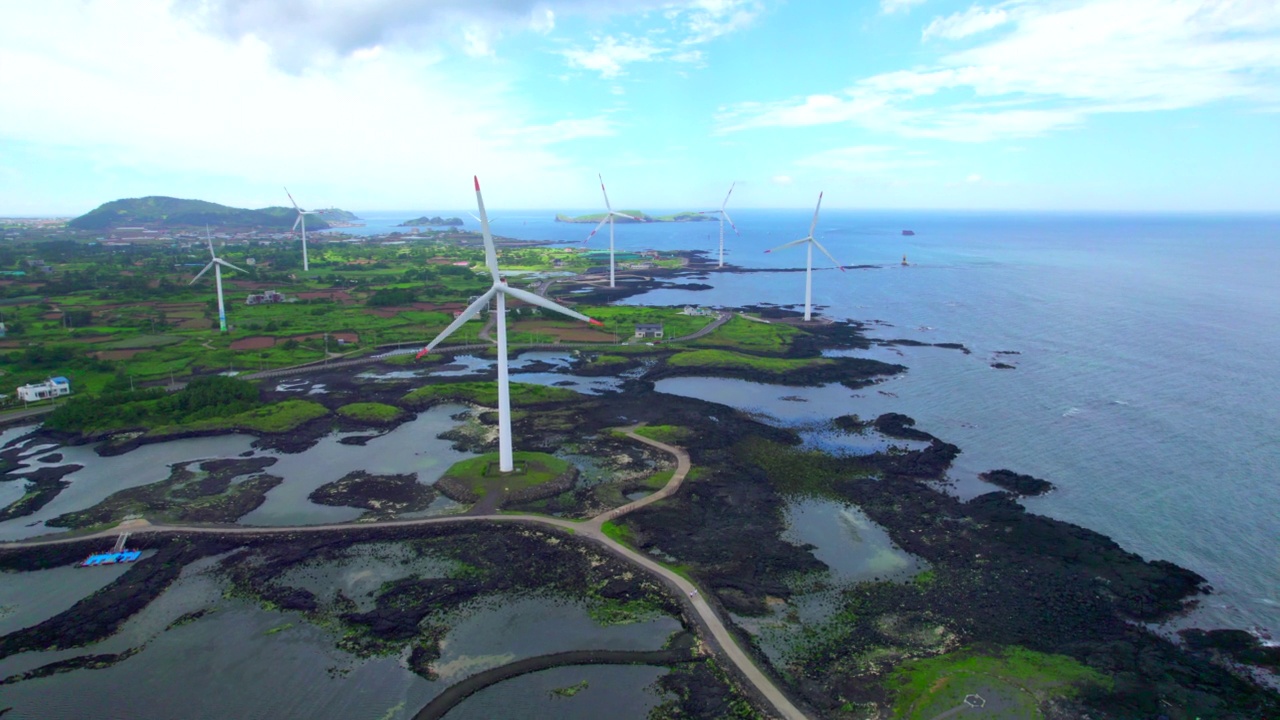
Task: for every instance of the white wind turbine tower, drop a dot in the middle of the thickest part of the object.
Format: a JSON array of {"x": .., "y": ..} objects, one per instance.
[
  {"x": 724, "y": 215},
  {"x": 808, "y": 268},
  {"x": 500, "y": 290},
  {"x": 302, "y": 218},
  {"x": 217, "y": 264},
  {"x": 608, "y": 218}
]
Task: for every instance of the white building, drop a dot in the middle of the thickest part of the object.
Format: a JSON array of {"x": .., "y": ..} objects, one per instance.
[{"x": 51, "y": 388}]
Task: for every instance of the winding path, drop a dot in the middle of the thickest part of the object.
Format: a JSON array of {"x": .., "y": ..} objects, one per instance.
[{"x": 721, "y": 640}]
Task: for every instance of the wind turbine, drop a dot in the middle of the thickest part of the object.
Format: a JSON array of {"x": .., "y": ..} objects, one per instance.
[
  {"x": 808, "y": 268},
  {"x": 608, "y": 218},
  {"x": 302, "y": 218},
  {"x": 500, "y": 290},
  {"x": 723, "y": 216},
  {"x": 217, "y": 264}
]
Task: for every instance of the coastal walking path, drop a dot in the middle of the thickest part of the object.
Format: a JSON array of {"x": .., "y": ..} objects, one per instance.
[{"x": 722, "y": 639}]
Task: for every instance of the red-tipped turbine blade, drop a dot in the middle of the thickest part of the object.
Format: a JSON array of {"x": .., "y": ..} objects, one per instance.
[
  {"x": 594, "y": 321},
  {"x": 477, "y": 179},
  {"x": 735, "y": 227}
]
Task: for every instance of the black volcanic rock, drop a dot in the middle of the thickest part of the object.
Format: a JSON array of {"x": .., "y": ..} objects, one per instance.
[{"x": 1017, "y": 483}]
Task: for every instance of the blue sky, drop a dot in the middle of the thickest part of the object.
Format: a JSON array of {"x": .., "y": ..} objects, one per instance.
[{"x": 1113, "y": 105}]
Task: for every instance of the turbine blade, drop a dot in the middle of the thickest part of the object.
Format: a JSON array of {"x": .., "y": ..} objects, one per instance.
[
  {"x": 202, "y": 272},
  {"x": 295, "y": 202},
  {"x": 532, "y": 299},
  {"x": 472, "y": 310},
  {"x": 490, "y": 254},
  {"x": 474, "y": 217},
  {"x": 208, "y": 238},
  {"x": 295, "y": 223},
  {"x": 726, "y": 217},
  {"x": 814, "y": 224},
  {"x": 618, "y": 214},
  {"x": 226, "y": 264},
  {"x": 597, "y": 229},
  {"x": 605, "y": 193},
  {"x": 829, "y": 255},
  {"x": 787, "y": 245},
  {"x": 726, "y": 197}
]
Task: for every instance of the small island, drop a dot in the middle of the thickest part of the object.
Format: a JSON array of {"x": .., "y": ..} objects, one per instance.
[
  {"x": 435, "y": 221},
  {"x": 640, "y": 217}
]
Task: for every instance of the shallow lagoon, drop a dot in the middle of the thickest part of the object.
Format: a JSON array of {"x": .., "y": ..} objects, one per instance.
[
  {"x": 103, "y": 476},
  {"x": 412, "y": 447},
  {"x": 277, "y": 664}
]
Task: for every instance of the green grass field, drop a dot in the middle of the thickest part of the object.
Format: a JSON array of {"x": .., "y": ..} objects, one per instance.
[
  {"x": 1013, "y": 682},
  {"x": 742, "y": 334},
  {"x": 275, "y": 418}
]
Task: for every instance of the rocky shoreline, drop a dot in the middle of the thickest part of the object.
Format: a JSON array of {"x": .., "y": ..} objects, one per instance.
[{"x": 998, "y": 576}]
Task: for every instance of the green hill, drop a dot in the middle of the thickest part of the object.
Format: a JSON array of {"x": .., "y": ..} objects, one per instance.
[
  {"x": 167, "y": 212},
  {"x": 338, "y": 215}
]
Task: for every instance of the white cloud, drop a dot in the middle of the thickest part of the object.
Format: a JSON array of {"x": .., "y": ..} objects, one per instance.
[
  {"x": 1057, "y": 64},
  {"x": 305, "y": 33},
  {"x": 963, "y": 24},
  {"x": 212, "y": 108},
  {"x": 782, "y": 179},
  {"x": 866, "y": 159},
  {"x": 889, "y": 7},
  {"x": 542, "y": 20},
  {"x": 476, "y": 42},
  {"x": 974, "y": 178},
  {"x": 611, "y": 54},
  {"x": 710, "y": 19}
]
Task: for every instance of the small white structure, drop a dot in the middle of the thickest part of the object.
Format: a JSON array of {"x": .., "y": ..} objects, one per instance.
[
  {"x": 51, "y": 388},
  {"x": 644, "y": 330}
]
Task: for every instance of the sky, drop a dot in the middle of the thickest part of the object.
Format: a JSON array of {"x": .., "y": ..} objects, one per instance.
[{"x": 1065, "y": 105}]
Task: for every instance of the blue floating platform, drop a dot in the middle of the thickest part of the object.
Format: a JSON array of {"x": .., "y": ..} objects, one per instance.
[{"x": 111, "y": 558}]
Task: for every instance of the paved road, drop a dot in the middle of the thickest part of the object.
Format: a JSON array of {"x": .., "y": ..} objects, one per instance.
[
  {"x": 17, "y": 416},
  {"x": 724, "y": 641}
]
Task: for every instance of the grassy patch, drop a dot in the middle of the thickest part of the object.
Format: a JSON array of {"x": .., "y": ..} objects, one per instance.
[
  {"x": 725, "y": 359},
  {"x": 1021, "y": 679},
  {"x": 618, "y": 533},
  {"x": 657, "y": 481},
  {"x": 480, "y": 474},
  {"x": 486, "y": 394},
  {"x": 371, "y": 412},
  {"x": 670, "y": 434},
  {"x": 798, "y": 471}
]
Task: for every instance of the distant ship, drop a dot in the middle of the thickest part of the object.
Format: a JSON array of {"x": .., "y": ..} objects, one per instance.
[
  {"x": 904, "y": 261},
  {"x": 908, "y": 232}
]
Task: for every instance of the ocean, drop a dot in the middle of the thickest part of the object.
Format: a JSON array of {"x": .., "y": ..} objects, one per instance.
[{"x": 1147, "y": 369}]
